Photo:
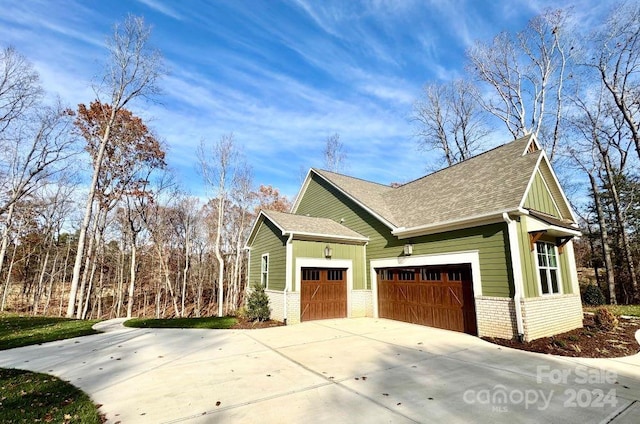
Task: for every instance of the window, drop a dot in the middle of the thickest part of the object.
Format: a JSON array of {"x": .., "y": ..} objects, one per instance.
[
  {"x": 334, "y": 275},
  {"x": 311, "y": 274},
  {"x": 548, "y": 268},
  {"x": 264, "y": 271},
  {"x": 427, "y": 274},
  {"x": 406, "y": 275}
]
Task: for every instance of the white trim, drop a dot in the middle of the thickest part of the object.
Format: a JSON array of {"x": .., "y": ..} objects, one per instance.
[
  {"x": 516, "y": 271},
  {"x": 262, "y": 272},
  {"x": 326, "y": 263},
  {"x": 530, "y": 183},
  {"x": 248, "y": 269},
  {"x": 573, "y": 271},
  {"x": 327, "y": 236},
  {"x": 445, "y": 226},
  {"x": 558, "y": 271},
  {"x": 353, "y": 199},
  {"x": 546, "y": 186},
  {"x": 305, "y": 184},
  {"x": 532, "y": 138},
  {"x": 288, "y": 274},
  {"x": 555, "y": 180},
  {"x": 466, "y": 257}
]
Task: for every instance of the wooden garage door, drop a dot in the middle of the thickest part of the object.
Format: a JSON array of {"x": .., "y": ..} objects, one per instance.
[
  {"x": 323, "y": 294},
  {"x": 437, "y": 296}
]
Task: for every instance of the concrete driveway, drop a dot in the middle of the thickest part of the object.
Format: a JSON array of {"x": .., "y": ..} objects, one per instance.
[{"x": 349, "y": 370}]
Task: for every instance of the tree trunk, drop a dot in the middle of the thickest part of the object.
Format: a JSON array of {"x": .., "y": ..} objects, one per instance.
[
  {"x": 132, "y": 279},
  {"x": 604, "y": 238},
  {"x": 7, "y": 284},
  {"x": 73, "y": 290},
  {"x": 5, "y": 235}
]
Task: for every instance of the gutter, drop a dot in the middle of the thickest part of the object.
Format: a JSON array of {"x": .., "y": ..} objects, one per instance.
[
  {"x": 517, "y": 272},
  {"x": 488, "y": 218}
]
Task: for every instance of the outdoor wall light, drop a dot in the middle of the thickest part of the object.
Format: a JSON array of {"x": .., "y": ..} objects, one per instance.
[
  {"x": 328, "y": 252},
  {"x": 408, "y": 249}
]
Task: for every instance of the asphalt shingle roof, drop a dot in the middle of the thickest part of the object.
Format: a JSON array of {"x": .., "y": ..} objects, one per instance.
[
  {"x": 490, "y": 182},
  {"x": 298, "y": 224}
]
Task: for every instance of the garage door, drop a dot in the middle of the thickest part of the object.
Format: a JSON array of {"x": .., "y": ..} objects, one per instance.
[
  {"x": 323, "y": 294},
  {"x": 437, "y": 296}
]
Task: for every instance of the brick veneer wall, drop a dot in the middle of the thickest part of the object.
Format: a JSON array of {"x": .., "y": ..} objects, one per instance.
[
  {"x": 361, "y": 303},
  {"x": 541, "y": 316},
  {"x": 276, "y": 303},
  {"x": 496, "y": 317},
  {"x": 549, "y": 315}
]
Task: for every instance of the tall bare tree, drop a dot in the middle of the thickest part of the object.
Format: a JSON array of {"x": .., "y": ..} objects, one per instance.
[
  {"x": 450, "y": 120},
  {"x": 217, "y": 164},
  {"x": 527, "y": 75},
  {"x": 133, "y": 69},
  {"x": 615, "y": 56},
  {"x": 19, "y": 87},
  {"x": 335, "y": 156}
]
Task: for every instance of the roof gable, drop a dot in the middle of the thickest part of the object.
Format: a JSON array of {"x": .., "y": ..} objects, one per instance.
[
  {"x": 305, "y": 226},
  {"x": 486, "y": 185}
]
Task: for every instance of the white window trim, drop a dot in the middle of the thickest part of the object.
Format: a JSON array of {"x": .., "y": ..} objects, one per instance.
[
  {"x": 471, "y": 257},
  {"x": 262, "y": 272},
  {"x": 535, "y": 258}
]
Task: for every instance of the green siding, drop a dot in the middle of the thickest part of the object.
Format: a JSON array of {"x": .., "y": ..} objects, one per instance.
[
  {"x": 322, "y": 200},
  {"x": 315, "y": 249},
  {"x": 529, "y": 269},
  {"x": 268, "y": 240},
  {"x": 539, "y": 197}
]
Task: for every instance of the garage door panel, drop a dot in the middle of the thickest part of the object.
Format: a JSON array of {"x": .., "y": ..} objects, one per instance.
[
  {"x": 439, "y": 296},
  {"x": 323, "y": 294}
]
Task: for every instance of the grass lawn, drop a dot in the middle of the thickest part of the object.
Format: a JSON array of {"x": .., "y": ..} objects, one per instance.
[
  {"x": 631, "y": 310},
  {"x": 207, "y": 322},
  {"x": 17, "y": 330},
  {"x": 29, "y": 397}
]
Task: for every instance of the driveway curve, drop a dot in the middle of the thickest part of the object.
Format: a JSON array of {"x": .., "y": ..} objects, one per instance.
[{"x": 338, "y": 371}]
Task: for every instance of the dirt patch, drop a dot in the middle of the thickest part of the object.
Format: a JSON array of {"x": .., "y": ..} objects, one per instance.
[
  {"x": 587, "y": 342},
  {"x": 245, "y": 324}
]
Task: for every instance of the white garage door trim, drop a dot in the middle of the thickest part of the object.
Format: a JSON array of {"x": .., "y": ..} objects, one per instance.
[
  {"x": 326, "y": 263},
  {"x": 468, "y": 257}
]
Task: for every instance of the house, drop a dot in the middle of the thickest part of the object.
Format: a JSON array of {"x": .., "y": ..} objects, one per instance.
[{"x": 483, "y": 247}]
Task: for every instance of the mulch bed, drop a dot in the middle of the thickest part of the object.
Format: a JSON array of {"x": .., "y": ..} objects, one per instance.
[
  {"x": 244, "y": 324},
  {"x": 587, "y": 342}
]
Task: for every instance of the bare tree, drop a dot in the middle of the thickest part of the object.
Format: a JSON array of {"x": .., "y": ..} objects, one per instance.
[
  {"x": 19, "y": 87},
  {"x": 450, "y": 120},
  {"x": 217, "y": 164},
  {"x": 334, "y": 154},
  {"x": 527, "y": 75},
  {"x": 35, "y": 152},
  {"x": 132, "y": 71},
  {"x": 616, "y": 58}
]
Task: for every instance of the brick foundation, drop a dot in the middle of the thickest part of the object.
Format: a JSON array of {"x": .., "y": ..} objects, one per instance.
[
  {"x": 496, "y": 317},
  {"x": 549, "y": 315},
  {"x": 541, "y": 316},
  {"x": 361, "y": 303}
]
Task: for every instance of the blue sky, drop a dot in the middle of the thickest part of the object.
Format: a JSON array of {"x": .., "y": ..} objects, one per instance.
[{"x": 281, "y": 75}]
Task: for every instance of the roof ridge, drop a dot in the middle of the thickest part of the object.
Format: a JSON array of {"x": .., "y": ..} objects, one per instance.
[
  {"x": 469, "y": 159},
  {"x": 353, "y": 178}
]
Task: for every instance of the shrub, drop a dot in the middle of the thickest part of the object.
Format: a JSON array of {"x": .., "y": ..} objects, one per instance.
[
  {"x": 605, "y": 320},
  {"x": 258, "y": 304},
  {"x": 593, "y": 296}
]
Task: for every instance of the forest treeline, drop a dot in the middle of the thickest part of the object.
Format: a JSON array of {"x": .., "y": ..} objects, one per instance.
[{"x": 117, "y": 236}]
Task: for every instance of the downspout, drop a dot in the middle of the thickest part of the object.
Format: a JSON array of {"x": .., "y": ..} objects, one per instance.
[
  {"x": 287, "y": 278},
  {"x": 516, "y": 271}
]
